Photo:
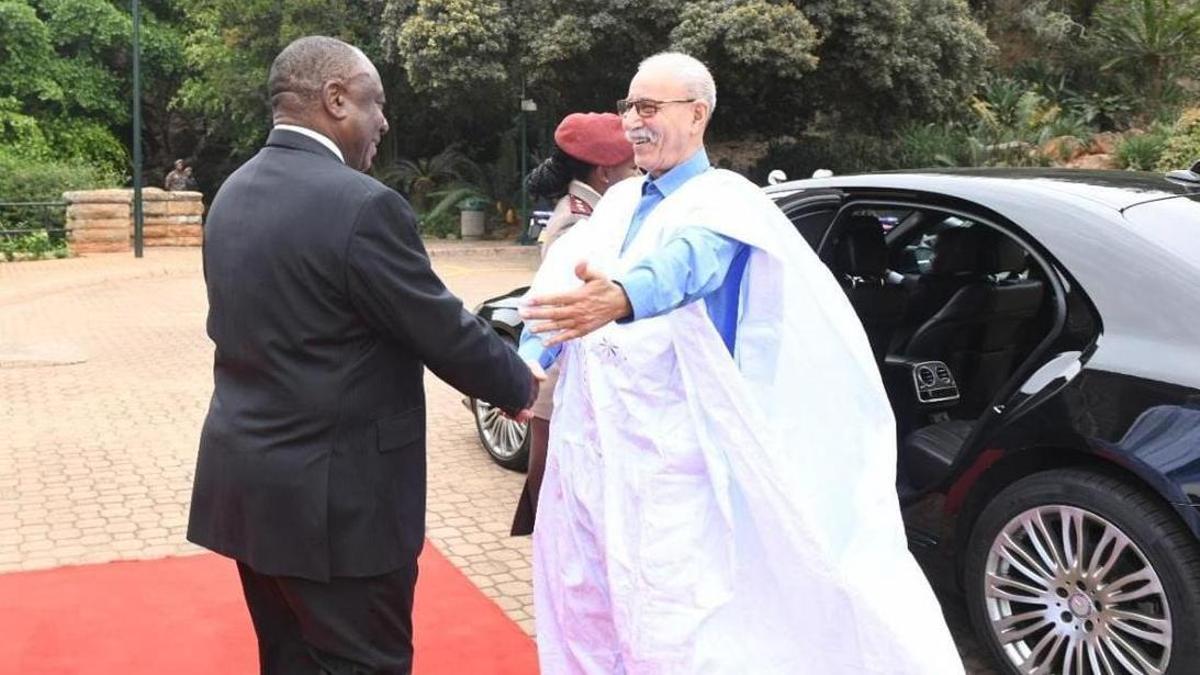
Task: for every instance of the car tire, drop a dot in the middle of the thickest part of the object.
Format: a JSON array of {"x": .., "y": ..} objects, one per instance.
[
  {"x": 506, "y": 441},
  {"x": 1079, "y": 608}
]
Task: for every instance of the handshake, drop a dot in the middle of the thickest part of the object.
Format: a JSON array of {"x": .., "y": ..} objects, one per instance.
[
  {"x": 538, "y": 377},
  {"x": 571, "y": 315}
]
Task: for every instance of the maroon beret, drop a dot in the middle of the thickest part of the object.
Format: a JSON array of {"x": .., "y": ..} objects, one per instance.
[{"x": 595, "y": 138}]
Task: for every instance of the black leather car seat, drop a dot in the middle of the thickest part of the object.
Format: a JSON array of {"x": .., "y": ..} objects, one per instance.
[
  {"x": 860, "y": 264},
  {"x": 955, "y": 264},
  {"x": 927, "y": 453},
  {"x": 978, "y": 331}
]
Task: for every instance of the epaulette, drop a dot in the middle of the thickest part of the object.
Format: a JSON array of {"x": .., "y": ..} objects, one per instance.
[{"x": 579, "y": 206}]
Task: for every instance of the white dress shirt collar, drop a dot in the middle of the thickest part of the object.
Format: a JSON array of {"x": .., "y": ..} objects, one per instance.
[{"x": 316, "y": 136}]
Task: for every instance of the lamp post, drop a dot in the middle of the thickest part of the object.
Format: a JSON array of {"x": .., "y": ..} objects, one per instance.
[
  {"x": 137, "y": 130},
  {"x": 527, "y": 105}
]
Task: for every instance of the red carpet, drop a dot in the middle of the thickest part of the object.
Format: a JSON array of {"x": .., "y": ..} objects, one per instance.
[{"x": 185, "y": 616}]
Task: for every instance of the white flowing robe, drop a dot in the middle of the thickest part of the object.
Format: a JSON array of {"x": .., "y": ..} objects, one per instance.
[{"x": 702, "y": 513}]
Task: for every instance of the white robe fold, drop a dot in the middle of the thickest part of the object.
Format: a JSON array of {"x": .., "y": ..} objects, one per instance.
[{"x": 702, "y": 513}]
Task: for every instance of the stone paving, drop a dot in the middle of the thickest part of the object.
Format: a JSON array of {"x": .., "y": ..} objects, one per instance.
[{"x": 104, "y": 381}]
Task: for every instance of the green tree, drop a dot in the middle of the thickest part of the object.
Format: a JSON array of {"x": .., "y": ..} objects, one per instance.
[
  {"x": 886, "y": 62},
  {"x": 1154, "y": 41},
  {"x": 59, "y": 97},
  {"x": 418, "y": 178},
  {"x": 452, "y": 48},
  {"x": 229, "y": 48},
  {"x": 580, "y": 54},
  {"x": 66, "y": 64},
  {"x": 27, "y": 58},
  {"x": 759, "y": 52}
]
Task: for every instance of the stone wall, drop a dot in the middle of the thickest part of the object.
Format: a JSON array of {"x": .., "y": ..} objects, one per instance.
[{"x": 102, "y": 220}]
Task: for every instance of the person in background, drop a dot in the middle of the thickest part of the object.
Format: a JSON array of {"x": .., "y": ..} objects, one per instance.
[
  {"x": 177, "y": 178},
  {"x": 590, "y": 154},
  {"x": 189, "y": 181}
]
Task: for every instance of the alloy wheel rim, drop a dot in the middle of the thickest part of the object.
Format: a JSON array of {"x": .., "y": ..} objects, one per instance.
[
  {"x": 1067, "y": 591},
  {"x": 502, "y": 436}
]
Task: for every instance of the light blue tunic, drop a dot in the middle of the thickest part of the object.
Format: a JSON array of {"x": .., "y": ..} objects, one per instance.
[{"x": 694, "y": 263}]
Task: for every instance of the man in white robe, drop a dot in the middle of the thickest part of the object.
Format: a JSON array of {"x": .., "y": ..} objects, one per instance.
[{"x": 719, "y": 493}]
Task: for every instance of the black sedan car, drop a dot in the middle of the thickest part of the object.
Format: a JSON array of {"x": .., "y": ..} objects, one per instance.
[{"x": 1038, "y": 332}]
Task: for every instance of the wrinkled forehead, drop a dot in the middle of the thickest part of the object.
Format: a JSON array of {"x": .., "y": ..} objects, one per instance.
[{"x": 657, "y": 83}]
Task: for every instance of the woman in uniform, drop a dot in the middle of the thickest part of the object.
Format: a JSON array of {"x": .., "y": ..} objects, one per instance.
[{"x": 590, "y": 154}]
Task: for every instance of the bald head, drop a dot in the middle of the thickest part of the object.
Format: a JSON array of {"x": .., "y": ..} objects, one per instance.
[
  {"x": 303, "y": 68},
  {"x": 332, "y": 88}
]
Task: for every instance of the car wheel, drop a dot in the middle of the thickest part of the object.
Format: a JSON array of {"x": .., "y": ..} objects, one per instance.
[
  {"x": 505, "y": 440},
  {"x": 1074, "y": 572}
]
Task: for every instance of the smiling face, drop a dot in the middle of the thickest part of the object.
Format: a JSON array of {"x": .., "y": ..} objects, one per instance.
[
  {"x": 357, "y": 107},
  {"x": 672, "y": 135}
]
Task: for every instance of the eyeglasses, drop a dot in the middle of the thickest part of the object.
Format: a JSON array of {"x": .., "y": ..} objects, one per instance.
[{"x": 646, "y": 107}]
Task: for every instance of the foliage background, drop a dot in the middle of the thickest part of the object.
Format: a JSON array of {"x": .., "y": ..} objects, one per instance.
[{"x": 840, "y": 84}]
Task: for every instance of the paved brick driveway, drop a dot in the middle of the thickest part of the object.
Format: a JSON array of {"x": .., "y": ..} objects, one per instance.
[{"x": 104, "y": 381}]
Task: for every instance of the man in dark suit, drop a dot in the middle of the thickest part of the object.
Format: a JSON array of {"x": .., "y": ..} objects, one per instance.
[{"x": 324, "y": 309}]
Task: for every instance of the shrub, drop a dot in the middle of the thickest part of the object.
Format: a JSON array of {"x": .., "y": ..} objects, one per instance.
[
  {"x": 1142, "y": 152},
  {"x": 1183, "y": 147},
  {"x": 29, "y": 180},
  {"x": 1013, "y": 121},
  {"x": 933, "y": 145},
  {"x": 1155, "y": 42},
  {"x": 441, "y": 225},
  {"x": 32, "y": 246},
  {"x": 24, "y": 179},
  {"x": 90, "y": 143},
  {"x": 840, "y": 153},
  {"x": 1069, "y": 124}
]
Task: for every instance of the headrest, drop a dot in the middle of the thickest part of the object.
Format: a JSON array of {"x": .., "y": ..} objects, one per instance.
[
  {"x": 862, "y": 250},
  {"x": 1002, "y": 254},
  {"x": 977, "y": 249},
  {"x": 956, "y": 251}
]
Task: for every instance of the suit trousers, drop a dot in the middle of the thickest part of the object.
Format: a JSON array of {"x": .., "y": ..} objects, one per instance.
[
  {"x": 526, "y": 514},
  {"x": 348, "y": 625}
]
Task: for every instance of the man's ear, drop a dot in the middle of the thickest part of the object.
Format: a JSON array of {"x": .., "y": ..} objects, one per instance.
[
  {"x": 700, "y": 116},
  {"x": 333, "y": 99}
]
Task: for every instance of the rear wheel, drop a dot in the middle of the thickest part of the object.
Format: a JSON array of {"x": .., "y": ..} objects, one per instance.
[
  {"x": 506, "y": 440},
  {"x": 1078, "y": 573}
]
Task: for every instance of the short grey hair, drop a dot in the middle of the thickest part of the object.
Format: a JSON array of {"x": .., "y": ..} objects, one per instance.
[
  {"x": 306, "y": 64},
  {"x": 696, "y": 78}
]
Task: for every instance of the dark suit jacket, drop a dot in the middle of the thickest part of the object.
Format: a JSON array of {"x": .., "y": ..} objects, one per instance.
[{"x": 323, "y": 309}]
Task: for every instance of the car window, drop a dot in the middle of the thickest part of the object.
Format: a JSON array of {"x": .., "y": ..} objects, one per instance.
[
  {"x": 811, "y": 224},
  {"x": 890, "y": 218},
  {"x": 916, "y": 256}
]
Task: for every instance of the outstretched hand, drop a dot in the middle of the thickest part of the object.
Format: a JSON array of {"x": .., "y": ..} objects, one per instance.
[
  {"x": 523, "y": 415},
  {"x": 581, "y": 311}
]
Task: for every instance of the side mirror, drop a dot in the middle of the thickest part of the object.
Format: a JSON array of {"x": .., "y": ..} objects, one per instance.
[{"x": 776, "y": 177}]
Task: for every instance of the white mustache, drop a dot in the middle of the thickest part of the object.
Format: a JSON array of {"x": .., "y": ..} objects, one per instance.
[{"x": 639, "y": 135}]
